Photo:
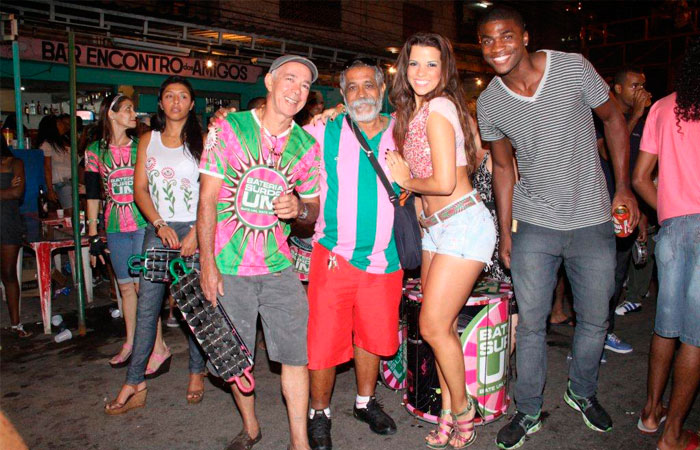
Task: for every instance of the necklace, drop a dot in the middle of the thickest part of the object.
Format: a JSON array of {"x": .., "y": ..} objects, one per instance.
[{"x": 270, "y": 140}]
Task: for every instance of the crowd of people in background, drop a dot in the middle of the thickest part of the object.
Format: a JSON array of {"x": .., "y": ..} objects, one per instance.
[{"x": 523, "y": 185}]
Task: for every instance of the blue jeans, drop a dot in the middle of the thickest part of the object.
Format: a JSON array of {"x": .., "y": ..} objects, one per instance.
[
  {"x": 148, "y": 311},
  {"x": 588, "y": 255},
  {"x": 678, "y": 263}
]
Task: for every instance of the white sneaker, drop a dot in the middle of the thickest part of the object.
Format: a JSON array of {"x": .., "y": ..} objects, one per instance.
[{"x": 627, "y": 307}]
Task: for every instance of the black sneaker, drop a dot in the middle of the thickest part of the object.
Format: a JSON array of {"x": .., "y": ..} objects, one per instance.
[
  {"x": 374, "y": 415},
  {"x": 319, "y": 430},
  {"x": 513, "y": 435},
  {"x": 593, "y": 414}
]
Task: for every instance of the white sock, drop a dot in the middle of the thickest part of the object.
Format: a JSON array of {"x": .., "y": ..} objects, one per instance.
[
  {"x": 326, "y": 411},
  {"x": 361, "y": 401}
]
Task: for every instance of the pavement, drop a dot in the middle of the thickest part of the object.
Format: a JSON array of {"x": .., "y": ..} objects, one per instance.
[{"x": 54, "y": 394}]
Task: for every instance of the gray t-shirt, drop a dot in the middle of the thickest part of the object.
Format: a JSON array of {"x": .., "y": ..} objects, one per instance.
[{"x": 561, "y": 184}]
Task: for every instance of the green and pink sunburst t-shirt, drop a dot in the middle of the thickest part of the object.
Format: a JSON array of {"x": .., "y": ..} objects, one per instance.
[
  {"x": 250, "y": 240},
  {"x": 116, "y": 168}
]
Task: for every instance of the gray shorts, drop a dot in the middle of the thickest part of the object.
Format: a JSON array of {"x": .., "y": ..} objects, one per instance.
[{"x": 280, "y": 300}]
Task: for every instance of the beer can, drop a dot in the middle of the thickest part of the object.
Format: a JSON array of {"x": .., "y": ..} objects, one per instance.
[{"x": 621, "y": 221}]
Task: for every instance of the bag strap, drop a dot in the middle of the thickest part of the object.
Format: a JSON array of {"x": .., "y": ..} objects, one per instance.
[{"x": 373, "y": 160}]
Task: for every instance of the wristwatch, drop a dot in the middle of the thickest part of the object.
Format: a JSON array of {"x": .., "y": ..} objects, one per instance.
[{"x": 304, "y": 213}]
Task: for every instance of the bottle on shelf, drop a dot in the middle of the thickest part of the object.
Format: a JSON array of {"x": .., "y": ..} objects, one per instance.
[
  {"x": 42, "y": 201},
  {"x": 46, "y": 110},
  {"x": 26, "y": 108},
  {"x": 32, "y": 108},
  {"x": 9, "y": 135},
  {"x": 38, "y": 107}
]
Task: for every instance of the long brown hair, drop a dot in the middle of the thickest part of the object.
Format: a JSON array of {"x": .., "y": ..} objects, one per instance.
[
  {"x": 112, "y": 102},
  {"x": 402, "y": 96}
]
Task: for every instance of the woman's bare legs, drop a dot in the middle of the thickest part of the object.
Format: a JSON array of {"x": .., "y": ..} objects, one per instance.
[
  {"x": 447, "y": 282},
  {"x": 8, "y": 274}
]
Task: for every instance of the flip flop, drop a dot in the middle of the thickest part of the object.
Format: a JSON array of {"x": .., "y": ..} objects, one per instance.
[
  {"x": 693, "y": 442},
  {"x": 645, "y": 430}
]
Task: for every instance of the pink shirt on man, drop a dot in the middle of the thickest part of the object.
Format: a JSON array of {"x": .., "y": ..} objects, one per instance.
[{"x": 677, "y": 145}]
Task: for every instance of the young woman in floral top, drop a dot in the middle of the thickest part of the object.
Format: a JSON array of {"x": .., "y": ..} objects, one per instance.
[
  {"x": 432, "y": 133},
  {"x": 166, "y": 189}
]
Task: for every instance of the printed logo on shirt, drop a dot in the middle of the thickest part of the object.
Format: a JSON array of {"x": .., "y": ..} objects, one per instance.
[
  {"x": 120, "y": 183},
  {"x": 258, "y": 187}
]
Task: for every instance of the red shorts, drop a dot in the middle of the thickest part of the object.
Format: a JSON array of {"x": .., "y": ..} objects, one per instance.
[{"x": 348, "y": 306}]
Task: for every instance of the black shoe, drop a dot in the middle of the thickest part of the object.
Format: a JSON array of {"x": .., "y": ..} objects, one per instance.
[
  {"x": 374, "y": 415},
  {"x": 513, "y": 435},
  {"x": 319, "y": 430},
  {"x": 593, "y": 414}
]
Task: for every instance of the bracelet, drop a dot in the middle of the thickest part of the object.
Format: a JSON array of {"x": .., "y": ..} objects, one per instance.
[
  {"x": 89, "y": 221},
  {"x": 158, "y": 224}
]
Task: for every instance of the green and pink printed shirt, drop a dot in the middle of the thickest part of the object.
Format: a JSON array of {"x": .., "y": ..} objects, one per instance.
[
  {"x": 256, "y": 168},
  {"x": 116, "y": 168}
]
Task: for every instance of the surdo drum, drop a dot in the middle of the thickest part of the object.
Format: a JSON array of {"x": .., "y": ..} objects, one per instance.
[{"x": 484, "y": 328}]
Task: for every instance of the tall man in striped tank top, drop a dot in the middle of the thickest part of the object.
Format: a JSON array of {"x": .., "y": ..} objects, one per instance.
[
  {"x": 540, "y": 103},
  {"x": 355, "y": 277}
]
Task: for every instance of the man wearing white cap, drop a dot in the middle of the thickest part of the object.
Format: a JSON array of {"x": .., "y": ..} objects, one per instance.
[{"x": 260, "y": 171}]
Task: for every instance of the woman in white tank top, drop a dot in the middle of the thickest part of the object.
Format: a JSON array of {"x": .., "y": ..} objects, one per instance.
[{"x": 166, "y": 190}]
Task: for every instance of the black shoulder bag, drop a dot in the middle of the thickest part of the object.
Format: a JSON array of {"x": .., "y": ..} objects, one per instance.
[{"x": 406, "y": 231}]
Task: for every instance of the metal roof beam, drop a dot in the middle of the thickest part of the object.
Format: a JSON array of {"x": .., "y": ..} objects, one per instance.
[{"x": 149, "y": 27}]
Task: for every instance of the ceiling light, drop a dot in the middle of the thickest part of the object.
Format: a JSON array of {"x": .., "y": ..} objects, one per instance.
[
  {"x": 21, "y": 88},
  {"x": 392, "y": 70},
  {"x": 393, "y": 50},
  {"x": 483, "y": 4},
  {"x": 150, "y": 46},
  {"x": 479, "y": 82},
  {"x": 210, "y": 63},
  {"x": 262, "y": 61}
]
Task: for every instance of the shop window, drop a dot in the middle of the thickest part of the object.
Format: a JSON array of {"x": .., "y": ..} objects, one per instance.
[
  {"x": 416, "y": 19},
  {"x": 325, "y": 13}
]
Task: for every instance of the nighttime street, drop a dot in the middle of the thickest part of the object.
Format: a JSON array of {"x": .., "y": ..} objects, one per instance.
[
  {"x": 55, "y": 393},
  {"x": 349, "y": 224}
]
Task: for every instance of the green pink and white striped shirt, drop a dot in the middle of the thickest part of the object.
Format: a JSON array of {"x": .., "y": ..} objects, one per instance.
[{"x": 356, "y": 218}]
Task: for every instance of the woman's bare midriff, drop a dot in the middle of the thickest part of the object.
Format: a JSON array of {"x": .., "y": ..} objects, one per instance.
[{"x": 433, "y": 203}]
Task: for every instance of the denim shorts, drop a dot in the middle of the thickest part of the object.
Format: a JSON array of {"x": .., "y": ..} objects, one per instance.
[
  {"x": 64, "y": 192},
  {"x": 121, "y": 247},
  {"x": 469, "y": 234},
  {"x": 280, "y": 300},
  {"x": 678, "y": 263}
]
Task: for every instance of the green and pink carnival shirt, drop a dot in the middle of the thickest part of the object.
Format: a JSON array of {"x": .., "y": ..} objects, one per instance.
[
  {"x": 115, "y": 164},
  {"x": 256, "y": 168}
]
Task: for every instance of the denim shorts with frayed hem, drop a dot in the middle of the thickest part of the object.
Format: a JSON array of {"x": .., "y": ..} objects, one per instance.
[
  {"x": 469, "y": 234},
  {"x": 122, "y": 245}
]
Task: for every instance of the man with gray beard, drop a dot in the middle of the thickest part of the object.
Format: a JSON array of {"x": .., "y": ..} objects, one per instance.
[{"x": 355, "y": 276}]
